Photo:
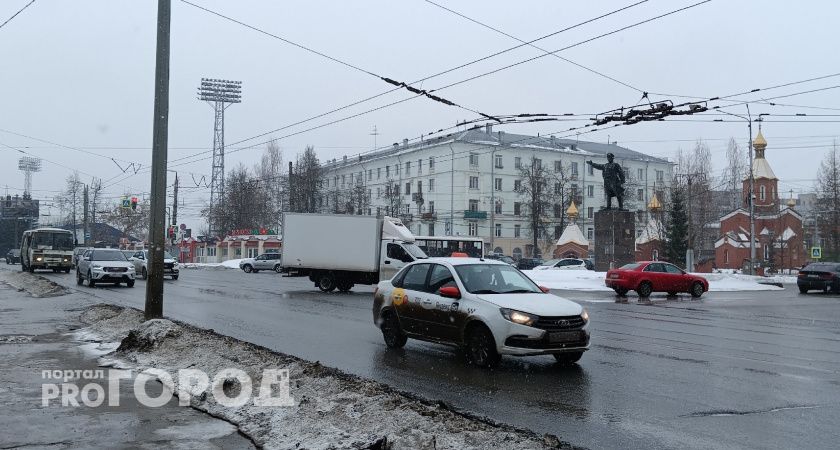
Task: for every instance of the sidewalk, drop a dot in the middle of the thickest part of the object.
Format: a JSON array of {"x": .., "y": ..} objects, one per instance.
[{"x": 33, "y": 339}]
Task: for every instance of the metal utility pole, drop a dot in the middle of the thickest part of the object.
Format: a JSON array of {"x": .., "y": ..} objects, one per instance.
[
  {"x": 85, "y": 217},
  {"x": 291, "y": 203},
  {"x": 175, "y": 202},
  {"x": 220, "y": 93},
  {"x": 452, "y": 194},
  {"x": 157, "y": 222}
]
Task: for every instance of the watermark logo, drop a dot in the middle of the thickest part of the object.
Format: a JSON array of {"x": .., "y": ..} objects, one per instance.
[{"x": 229, "y": 387}]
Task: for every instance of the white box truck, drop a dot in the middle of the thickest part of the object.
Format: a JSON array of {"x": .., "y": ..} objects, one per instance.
[{"x": 340, "y": 251}]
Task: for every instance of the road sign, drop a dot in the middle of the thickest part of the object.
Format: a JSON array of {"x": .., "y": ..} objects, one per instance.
[
  {"x": 87, "y": 235},
  {"x": 816, "y": 252}
]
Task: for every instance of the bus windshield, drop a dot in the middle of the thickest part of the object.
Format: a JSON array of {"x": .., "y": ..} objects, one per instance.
[
  {"x": 52, "y": 240},
  {"x": 445, "y": 246}
]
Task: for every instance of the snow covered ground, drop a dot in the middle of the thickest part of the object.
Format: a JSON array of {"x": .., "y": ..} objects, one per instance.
[
  {"x": 587, "y": 280},
  {"x": 229, "y": 264}
]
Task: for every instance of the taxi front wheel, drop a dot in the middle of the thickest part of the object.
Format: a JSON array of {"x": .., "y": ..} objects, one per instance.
[
  {"x": 481, "y": 347},
  {"x": 392, "y": 332}
]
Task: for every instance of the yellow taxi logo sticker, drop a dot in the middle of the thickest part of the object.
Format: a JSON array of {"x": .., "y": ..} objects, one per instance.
[{"x": 398, "y": 297}]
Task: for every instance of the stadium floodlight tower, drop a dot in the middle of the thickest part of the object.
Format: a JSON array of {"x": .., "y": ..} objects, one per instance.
[
  {"x": 28, "y": 165},
  {"x": 219, "y": 94}
]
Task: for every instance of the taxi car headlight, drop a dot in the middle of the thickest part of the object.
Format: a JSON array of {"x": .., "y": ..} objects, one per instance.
[
  {"x": 584, "y": 315},
  {"x": 519, "y": 317}
]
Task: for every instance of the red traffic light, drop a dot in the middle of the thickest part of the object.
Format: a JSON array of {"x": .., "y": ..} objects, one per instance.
[{"x": 133, "y": 202}]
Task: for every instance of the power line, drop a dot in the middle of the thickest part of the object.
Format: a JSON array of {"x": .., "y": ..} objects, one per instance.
[{"x": 15, "y": 14}]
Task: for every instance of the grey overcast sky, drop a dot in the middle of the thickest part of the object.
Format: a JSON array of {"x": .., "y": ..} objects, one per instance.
[{"x": 80, "y": 73}]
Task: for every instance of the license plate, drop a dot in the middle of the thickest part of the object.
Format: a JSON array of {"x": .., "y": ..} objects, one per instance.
[
  {"x": 813, "y": 275},
  {"x": 560, "y": 337}
]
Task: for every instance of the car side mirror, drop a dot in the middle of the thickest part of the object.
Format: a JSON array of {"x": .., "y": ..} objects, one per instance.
[
  {"x": 545, "y": 289},
  {"x": 450, "y": 292}
]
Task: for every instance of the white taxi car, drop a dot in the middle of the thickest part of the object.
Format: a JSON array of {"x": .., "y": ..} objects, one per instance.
[{"x": 487, "y": 307}]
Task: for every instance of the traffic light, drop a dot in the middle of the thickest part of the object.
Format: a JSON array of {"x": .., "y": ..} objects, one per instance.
[
  {"x": 171, "y": 232},
  {"x": 133, "y": 202}
]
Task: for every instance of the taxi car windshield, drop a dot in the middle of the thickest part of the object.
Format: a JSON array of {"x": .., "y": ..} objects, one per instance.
[{"x": 494, "y": 279}]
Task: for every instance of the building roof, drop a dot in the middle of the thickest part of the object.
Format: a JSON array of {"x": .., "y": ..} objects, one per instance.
[
  {"x": 653, "y": 231},
  {"x": 480, "y": 136},
  {"x": 572, "y": 234},
  {"x": 762, "y": 169}
]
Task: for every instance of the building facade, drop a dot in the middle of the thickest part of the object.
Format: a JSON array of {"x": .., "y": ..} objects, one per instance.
[
  {"x": 466, "y": 183},
  {"x": 17, "y": 214}
]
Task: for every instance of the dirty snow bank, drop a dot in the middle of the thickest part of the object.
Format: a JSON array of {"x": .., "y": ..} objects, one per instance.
[
  {"x": 587, "y": 280},
  {"x": 331, "y": 409},
  {"x": 33, "y": 284},
  {"x": 229, "y": 264}
]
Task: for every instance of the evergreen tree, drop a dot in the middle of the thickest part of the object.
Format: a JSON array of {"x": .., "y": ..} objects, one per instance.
[{"x": 677, "y": 229}]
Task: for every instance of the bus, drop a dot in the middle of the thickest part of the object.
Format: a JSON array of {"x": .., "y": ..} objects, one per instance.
[
  {"x": 47, "y": 248},
  {"x": 441, "y": 246}
]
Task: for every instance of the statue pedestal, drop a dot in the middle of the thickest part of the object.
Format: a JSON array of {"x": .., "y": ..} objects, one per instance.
[{"x": 615, "y": 238}]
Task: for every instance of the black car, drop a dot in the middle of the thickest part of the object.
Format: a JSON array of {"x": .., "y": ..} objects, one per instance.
[
  {"x": 13, "y": 256},
  {"x": 821, "y": 276},
  {"x": 528, "y": 263},
  {"x": 503, "y": 258}
]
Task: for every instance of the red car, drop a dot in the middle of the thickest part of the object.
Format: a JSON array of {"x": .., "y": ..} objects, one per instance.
[{"x": 646, "y": 277}]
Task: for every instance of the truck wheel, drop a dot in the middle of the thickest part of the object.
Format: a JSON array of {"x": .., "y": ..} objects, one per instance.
[
  {"x": 345, "y": 286},
  {"x": 326, "y": 282},
  {"x": 31, "y": 268},
  {"x": 67, "y": 270},
  {"x": 392, "y": 332}
]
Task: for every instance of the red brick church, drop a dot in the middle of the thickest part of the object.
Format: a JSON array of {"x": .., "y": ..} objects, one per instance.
[{"x": 779, "y": 234}]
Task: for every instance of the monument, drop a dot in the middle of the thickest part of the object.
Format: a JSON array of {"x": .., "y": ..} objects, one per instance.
[{"x": 614, "y": 228}]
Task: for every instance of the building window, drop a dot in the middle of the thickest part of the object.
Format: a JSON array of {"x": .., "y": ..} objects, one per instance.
[
  {"x": 498, "y": 230},
  {"x": 660, "y": 176},
  {"x": 590, "y": 170},
  {"x": 407, "y": 210},
  {"x": 360, "y": 179},
  {"x": 498, "y": 184},
  {"x": 397, "y": 169},
  {"x": 378, "y": 173},
  {"x": 558, "y": 166},
  {"x": 211, "y": 251},
  {"x": 574, "y": 190},
  {"x": 641, "y": 173},
  {"x": 387, "y": 171},
  {"x": 253, "y": 252},
  {"x": 431, "y": 229},
  {"x": 558, "y": 188},
  {"x": 378, "y": 192},
  {"x": 574, "y": 169},
  {"x": 419, "y": 187},
  {"x": 517, "y": 185},
  {"x": 558, "y": 210},
  {"x": 589, "y": 233},
  {"x": 419, "y": 167},
  {"x": 762, "y": 193},
  {"x": 766, "y": 252},
  {"x": 537, "y": 163},
  {"x": 557, "y": 231},
  {"x": 590, "y": 191},
  {"x": 343, "y": 180},
  {"x": 407, "y": 168},
  {"x": 517, "y": 163},
  {"x": 517, "y": 209},
  {"x": 517, "y": 232},
  {"x": 432, "y": 185},
  {"x": 474, "y": 159},
  {"x": 590, "y": 212},
  {"x": 431, "y": 164},
  {"x": 498, "y": 207},
  {"x": 498, "y": 162},
  {"x": 726, "y": 256},
  {"x": 473, "y": 229},
  {"x": 473, "y": 205},
  {"x": 408, "y": 188},
  {"x": 640, "y": 193},
  {"x": 473, "y": 182},
  {"x": 431, "y": 207}
]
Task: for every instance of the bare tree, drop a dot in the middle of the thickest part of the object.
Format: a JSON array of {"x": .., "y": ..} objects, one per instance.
[
  {"x": 131, "y": 222},
  {"x": 70, "y": 201},
  {"x": 393, "y": 199},
  {"x": 692, "y": 176},
  {"x": 828, "y": 203},
  {"x": 273, "y": 180},
  {"x": 735, "y": 173},
  {"x": 535, "y": 181}
]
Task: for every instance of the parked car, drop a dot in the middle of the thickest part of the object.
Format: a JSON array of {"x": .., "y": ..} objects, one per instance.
[
  {"x": 528, "y": 263},
  {"x": 104, "y": 265},
  {"x": 141, "y": 264},
  {"x": 646, "y": 277},
  {"x": 266, "y": 261},
  {"x": 503, "y": 258},
  {"x": 821, "y": 276},
  {"x": 13, "y": 256},
  {"x": 487, "y": 307},
  {"x": 566, "y": 264},
  {"x": 77, "y": 254}
]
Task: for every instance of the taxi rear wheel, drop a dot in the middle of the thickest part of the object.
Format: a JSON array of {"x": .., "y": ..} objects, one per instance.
[
  {"x": 392, "y": 332},
  {"x": 481, "y": 347}
]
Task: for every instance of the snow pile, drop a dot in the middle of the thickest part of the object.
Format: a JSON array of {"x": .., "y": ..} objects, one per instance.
[
  {"x": 229, "y": 264},
  {"x": 587, "y": 280},
  {"x": 34, "y": 285},
  {"x": 331, "y": 409}
]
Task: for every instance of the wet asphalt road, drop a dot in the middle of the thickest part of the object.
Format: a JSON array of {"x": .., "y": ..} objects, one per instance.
[{"x": 733, "y": 370}]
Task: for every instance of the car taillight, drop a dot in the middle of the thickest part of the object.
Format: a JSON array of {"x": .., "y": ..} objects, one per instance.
[
  {"x": 801, "y": 275},
  {"x": 826, "y": 276}
]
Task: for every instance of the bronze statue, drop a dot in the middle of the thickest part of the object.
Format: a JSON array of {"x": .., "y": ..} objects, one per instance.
[{"x": 613, "y": 180}]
